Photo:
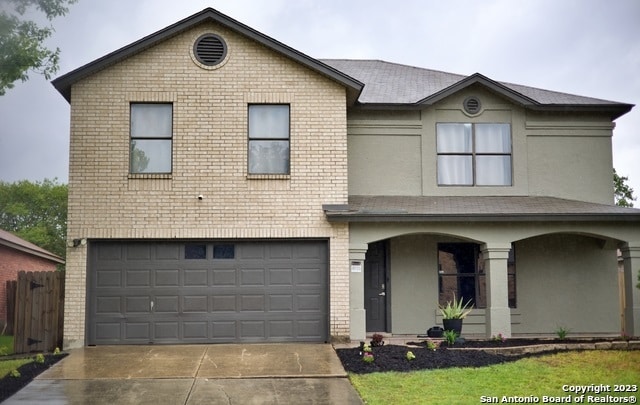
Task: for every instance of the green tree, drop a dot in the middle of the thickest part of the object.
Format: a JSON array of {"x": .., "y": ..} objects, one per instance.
[
  {"x": 622, "y": 192},
  {"x": 21, "y": 40},
  {"x": 36, "y": 212}
]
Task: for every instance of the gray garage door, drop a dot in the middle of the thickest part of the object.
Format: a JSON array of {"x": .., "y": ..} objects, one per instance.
[{"x": 207, "y": 292}]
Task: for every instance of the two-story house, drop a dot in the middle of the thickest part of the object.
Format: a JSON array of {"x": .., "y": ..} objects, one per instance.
[{"x": 224, "y": 187}]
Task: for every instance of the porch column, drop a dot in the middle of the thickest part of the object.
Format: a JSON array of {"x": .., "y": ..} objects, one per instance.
[
  {"x": 358, "y": 319},
  {"x": 498, "y": 314},
  {"x": 631, "y": 262}
]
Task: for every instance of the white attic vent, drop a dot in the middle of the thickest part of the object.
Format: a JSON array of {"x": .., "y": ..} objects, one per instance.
[
  {"x": 472, "y": 105},
  {"x": 210, "y": 49}
]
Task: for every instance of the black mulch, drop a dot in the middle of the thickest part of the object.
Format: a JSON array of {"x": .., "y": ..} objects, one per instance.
[
  {"x": 394, "y": 358},
  {"x": 10, "y": 385}
]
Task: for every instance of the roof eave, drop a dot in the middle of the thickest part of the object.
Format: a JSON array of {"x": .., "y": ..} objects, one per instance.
[
  {"x": 615, "y": 111},
  {"x": 63, "y": 83},
  {"x": 25, "y": 249},
  {"x": 395, "y": 217}
]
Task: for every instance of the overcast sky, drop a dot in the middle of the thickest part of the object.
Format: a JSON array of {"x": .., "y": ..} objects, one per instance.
[{"x": 584, "y": 47}]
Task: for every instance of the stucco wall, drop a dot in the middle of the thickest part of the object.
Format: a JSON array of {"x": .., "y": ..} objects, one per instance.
[
  {"x": 553, "y": 154},
  {"x": 209, "y": 158},
  {"x": 567, "y": 281}
]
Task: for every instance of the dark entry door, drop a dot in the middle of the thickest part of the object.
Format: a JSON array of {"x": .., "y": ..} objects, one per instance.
[{"x": 376, "y": 286}]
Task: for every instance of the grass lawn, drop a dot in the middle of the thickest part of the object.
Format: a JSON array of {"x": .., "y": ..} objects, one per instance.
[
  {"x": 537, "y": 377},
  {"x": 6, "y": 366},
  {"x": 7, "y": 343}
]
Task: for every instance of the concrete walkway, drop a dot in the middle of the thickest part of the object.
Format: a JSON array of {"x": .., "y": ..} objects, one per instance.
[{"x": 194, "y": 374}]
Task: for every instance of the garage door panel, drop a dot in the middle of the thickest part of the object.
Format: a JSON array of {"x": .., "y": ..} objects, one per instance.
[
  {"x": 137, "y": 304},
  {"x": 280, "y": 277},
  {"x": 138, "y": 252},
  {"x": 138, "y": 278},
  {"x": 281, "y": 302},
  {"x": 195, "y": 278},
  {"x": 108, "y": 305},
  {"x": 195, "y": 330},
  {"x": 194, "y": 303},
  {"x": 224, "y": 303},
  {"x": 224, "y": 277},
  {"x": 166, "y": 330},
  {"x": 109, "y": 278},
  {"x": 167, "y": 278},
  {"x": 252, "y": 277},
  {"x": 142, "y": 292}
]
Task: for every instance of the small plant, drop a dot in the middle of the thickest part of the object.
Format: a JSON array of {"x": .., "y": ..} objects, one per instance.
[
  {"x": 625, "y": 337},
  {"x": 14, "y": 373},
  {"x": 368, "y": 357},
  {"x": 431, "y": 345},
  {"x": 455, "y": 309},
  {"x": 4, "y": 350},
  {"x": 56, "y": 352},
  {"x": 366, "y": 348},
  {"x": 376, "y": 340},
  {"x": 40, "y": 358},
  {"x": 450, "y": 336},
  {"x": 410, "y": 355},
  {"x": 562, "y": 332},
  {"x": 499, "y": 338}
]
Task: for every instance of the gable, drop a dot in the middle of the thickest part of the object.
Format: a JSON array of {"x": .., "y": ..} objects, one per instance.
[{"x": 63, "y": 84}]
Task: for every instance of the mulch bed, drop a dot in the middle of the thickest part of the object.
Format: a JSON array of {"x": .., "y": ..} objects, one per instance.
[
  {"x": 10, "y": 385},
  {"x": 393, "y": 357}
]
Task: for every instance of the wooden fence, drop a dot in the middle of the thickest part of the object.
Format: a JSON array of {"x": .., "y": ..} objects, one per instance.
[{"x": 37, "y": 309}]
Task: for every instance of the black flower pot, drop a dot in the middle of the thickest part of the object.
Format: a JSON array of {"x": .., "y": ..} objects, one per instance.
[{"x": 453, "y": 324}]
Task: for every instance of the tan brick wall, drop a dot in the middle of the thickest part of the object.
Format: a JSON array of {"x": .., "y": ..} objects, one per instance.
[{"x": 209, "y": 158}]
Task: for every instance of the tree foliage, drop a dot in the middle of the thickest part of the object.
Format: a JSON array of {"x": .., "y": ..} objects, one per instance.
[
  {"x": 36, "y": 212},
  {"x": 22, "y": 41},
  {"x": 622, "y": 192}
]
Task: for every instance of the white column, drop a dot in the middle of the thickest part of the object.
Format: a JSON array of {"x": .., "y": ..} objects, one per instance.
[
  {"x": 358, "y": 318},
  {"x": 498, "y": 314},
  {"x": 631, "y": 261}
]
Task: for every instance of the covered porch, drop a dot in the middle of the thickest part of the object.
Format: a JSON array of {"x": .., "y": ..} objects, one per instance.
[{"x": 530, "y": 265}]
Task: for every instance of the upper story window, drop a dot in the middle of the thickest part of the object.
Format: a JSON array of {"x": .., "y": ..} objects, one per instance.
[
  {"x": 474, "y": 154},
  {"x": 268, "y": 139},
  {"x": 151, "y": 138}
]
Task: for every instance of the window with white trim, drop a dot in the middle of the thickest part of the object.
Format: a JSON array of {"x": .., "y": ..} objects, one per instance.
[{"x": 474, "y": 154}]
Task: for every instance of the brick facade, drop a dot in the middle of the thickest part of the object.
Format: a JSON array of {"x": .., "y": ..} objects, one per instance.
[
  {"x": 209, "y": 159},
  {"x": 12, "y": 262}
]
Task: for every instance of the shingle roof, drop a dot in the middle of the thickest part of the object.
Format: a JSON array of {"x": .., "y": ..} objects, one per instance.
[
  {"x": 10, "y": 240},
  {"x": 392, "y": 83},
  {"x": 488, "y": 208}
]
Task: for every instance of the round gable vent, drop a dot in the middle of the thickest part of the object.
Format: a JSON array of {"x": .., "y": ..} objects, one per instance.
[
  {"x": 210, "y": 49},
  {"x": 471, "y": 105}
]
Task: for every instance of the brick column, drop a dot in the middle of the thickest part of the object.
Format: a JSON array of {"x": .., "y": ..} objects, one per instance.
[
  {"x": 498, "y": 314},
  {"x": 631, "y": 262}
]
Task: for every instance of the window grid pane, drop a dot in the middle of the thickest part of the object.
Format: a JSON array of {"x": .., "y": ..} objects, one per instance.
[
  {"x": 151, "y": 120},
  {"x": 474, "y": 154}
]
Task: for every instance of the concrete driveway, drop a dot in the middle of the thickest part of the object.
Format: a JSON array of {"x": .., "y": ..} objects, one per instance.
[{"x": 194, "y": 374}]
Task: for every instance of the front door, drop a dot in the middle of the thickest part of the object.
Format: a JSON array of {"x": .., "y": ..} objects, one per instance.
[{"x": 376, "y": 286}]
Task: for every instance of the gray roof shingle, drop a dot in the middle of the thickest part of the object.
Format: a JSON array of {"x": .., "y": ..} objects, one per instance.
[
  {"x": 392, "y": 83},
  {"x": 494, "y": 208}
]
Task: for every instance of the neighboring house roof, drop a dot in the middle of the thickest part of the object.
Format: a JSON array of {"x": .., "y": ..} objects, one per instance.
[
  {"x": 494, "y": 208},
  {"x": 63, "y": 83},
  {"x": 388, "y": 83},
  {"x": 12, "y": 241}
]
